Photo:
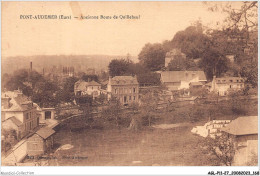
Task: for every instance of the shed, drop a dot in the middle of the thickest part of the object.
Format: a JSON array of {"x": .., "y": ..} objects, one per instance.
[{"x": 40, "y": 142}]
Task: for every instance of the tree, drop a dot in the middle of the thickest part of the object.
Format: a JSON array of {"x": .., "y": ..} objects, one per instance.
[
  {"x": 250, "y": 72},
  {"x": 66, "y": 92},
  {"x": 190, "y": 41},
  {"x": 242, "y": 15},
  {"x": 113, "y": 111},
  {"x": 86, "y": 77},
  {"x": 222, "y": 147},
  {"x": 44, "y": 94},
  {"x": 119, "y": 67},
  {"x": 149, "y": 101},
  {"x": 180, "y": 64},
  {"x": 214, "y": 62},
  {"x": 152, "y": 56}
]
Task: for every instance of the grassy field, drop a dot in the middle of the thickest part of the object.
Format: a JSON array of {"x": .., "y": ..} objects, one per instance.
[
  {"x": 104, "y": 144},
  {"x": 148, "y": 147}
]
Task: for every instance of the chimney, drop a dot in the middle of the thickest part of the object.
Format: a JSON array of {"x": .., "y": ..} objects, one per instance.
[
  {"x": 30, "y": 66},
  {"x": 5, "y": 102},
  {"x": 213, "y": 86}
]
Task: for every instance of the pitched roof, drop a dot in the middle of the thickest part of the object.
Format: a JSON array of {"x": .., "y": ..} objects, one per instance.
[
  {"x": 196, "y": 84},
  {"x": 83, "y": 84},
  {"x": 229, "y": 79},
  {"x": 178, "y": 76},
  {"x": 45, "y": 132},
  {"x": 242, "y": 126},
  {"x": 174, "y": 52},
  {"x": 15, "y": 121},
  {"x": 93, "y": 83},
  {"x": 19, "y": 103},
  {"x": 124, "y": 80}
]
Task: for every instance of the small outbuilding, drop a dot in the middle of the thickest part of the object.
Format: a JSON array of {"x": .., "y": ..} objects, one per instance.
[
  {"x": 40, "y": 142},
  {"x": 244, "y": 130}
]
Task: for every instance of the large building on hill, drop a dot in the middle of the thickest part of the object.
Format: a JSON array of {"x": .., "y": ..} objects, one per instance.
[
  {"x": 18, "y": 113},
  {"x": 177, "y": 80},
  {"x": 124, "y": 88},
  {"x": 174, "y": 54}
]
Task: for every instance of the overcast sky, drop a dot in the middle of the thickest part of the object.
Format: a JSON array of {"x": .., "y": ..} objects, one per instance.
[{"x": 158, "y": 21}]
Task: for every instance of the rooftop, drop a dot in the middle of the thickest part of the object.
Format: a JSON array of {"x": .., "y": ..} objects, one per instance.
[
  {"x": 84, "y": 84},
  {"x": 178, "y": 76},
  {"x": 224, "y": 80},
  {"x": 45, "y": 132},
  {"x": 18, "y": 102},
  {"x": 15, "y": 121},
  {"x": 124, "y": 80},
  {"x": 175, "y": 52},
  {"x": 242, "y": 126}
]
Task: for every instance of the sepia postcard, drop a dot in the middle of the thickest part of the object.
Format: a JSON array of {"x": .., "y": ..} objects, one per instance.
[{"x": 127, "y": 83}]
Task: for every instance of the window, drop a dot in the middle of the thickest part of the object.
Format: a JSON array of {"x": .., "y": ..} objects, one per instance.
[
  {"x": 237, "y": 80},
  {"x": 134, "y": 98},
  {"x": 231, "y": 80},
  {"x": 115, "y": 91},
  {"x": 230, "y": 86},
  {"x": 26, "y": 116},
  {"x": 218, "y": 81},
  {"x": 134, "y": 90},
  {"x": 130, "y": 98}
]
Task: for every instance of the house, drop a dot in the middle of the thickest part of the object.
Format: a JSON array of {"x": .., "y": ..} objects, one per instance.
[
  {"x": 244, "y": 131},
  {"x": 40, "y": 142},
  {"x": 172, "y": 55},
  {"x": 92, "y": 88},
  {"x": 225, "y": 85},
  {"x": 177, "y": 80},
  {"x": 124, "y": 88},
  {"x": 18, "y": 113}
]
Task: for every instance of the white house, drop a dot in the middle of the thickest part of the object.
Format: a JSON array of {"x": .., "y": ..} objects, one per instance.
[
  {"x": 226, "y": 84},
  {"x": 177, "y": 80},
  {"x": 87, "y": 88},
  {"x": 19, "y": 113},
  {"x": 124, "y": 88}
]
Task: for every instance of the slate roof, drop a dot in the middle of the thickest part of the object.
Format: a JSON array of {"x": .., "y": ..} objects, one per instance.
[
  {"x": 82, "y": 85},
  {"x": 178, "y": 76},
  {"x": 124, "y": 80},
  {"x": 242, "y": 126},
  {"x": 175, "y": 52},
  {"x": 196, "y": 84},
  {"x": 224, "y": 80},
  {"x": 45, "y": 132},
  {"x": 15, "y": 121},
  {"x": 20, "y": 103}
]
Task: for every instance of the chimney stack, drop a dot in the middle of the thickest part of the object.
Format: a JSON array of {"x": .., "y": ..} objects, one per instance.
[
  {"x": 5, "y": 102},
  {"x": 30, "y": 66}
]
